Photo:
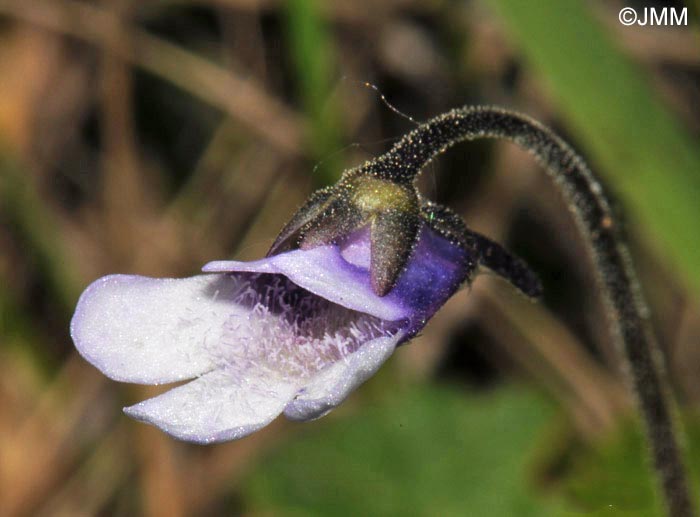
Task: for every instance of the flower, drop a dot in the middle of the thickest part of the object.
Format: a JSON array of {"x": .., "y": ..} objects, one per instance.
[
  {"x": 357, "y": 270},
  {"x": 293, "y": 333}
]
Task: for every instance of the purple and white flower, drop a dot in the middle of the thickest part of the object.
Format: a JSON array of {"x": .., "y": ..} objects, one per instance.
[
  {"x": 357, "y": 271},
  {"x": 294, "y": 333}
]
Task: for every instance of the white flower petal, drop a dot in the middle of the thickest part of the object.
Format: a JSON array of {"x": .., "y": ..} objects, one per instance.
[
  {"x": 333, "y": 384},
  {"x": 221, "y": 405},
  {"x": 148, "y": 330}
]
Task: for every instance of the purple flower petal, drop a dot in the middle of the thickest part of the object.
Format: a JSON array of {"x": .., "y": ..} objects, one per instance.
[
  {"x": 341, "y": 274},
  {"x": 334, "y": 384},
  {"x": 218, "y": 406},
  {"x": 324, "y": 272}
]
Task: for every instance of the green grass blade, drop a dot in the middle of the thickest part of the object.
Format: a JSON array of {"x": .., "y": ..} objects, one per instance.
[{"x": 311, "y": 49}]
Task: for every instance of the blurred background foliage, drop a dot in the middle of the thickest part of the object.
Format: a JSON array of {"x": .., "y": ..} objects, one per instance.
[{"x": 152, "y": 137}]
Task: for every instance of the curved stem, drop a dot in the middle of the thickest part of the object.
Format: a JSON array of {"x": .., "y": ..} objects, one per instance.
[{"x": 627, "y": 311}]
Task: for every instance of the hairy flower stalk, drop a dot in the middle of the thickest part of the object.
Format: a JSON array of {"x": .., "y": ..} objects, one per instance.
[{"x": 615, "y": 274}]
